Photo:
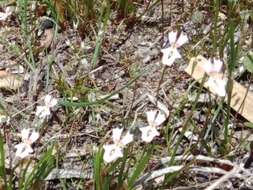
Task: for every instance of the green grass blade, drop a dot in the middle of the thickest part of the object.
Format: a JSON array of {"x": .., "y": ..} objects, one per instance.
[
  {"x": 140, "y": 166},
  {"x": 105, "y": 14},
  {"x": 2, "y": 162},
  {"x": 97, "y": 168},
  {"x": 85, "y": 104},
  {"x": 41, "y": 169}
]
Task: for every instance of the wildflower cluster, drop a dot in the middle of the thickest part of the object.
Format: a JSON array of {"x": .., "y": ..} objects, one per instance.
[
  {"x": 212, "y": 67},
  {"x": 154, "y": 117},
  {"x": 29, "y": 135}
]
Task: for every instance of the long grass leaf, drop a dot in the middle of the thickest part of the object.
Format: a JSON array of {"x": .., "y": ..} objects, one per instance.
[{"x": 139, "y": 168}]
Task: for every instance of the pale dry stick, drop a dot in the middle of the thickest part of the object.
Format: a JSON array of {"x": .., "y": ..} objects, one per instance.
[
  {"x": 95, "y": 70},
  {"x": 161, "y": 80},
  {"x": 205, "y": 37},
  {"x": 69, "y": 174},
  {"x": 132, "y": 102},
  {"x": 157, "y": 173},
  {"x": 163, "y": 171},
  {"x": 110, "y": 55},
  {"x": 165, "y": 160},
  {"x": 190, "y": 187},
  {"x": 158, "y": 39},
  {"x": 135, "y": 118},
  {"x": 193, "y": 47},
  {"x": 139, "y": 100},
  {"x": 66, "y": 136},
  {"x": 214, "y": 170},
  {"x": 172, "y": 169},
  {"x": 225, "y": 177}
]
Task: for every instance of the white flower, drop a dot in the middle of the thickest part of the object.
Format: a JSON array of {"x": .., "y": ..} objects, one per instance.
[
  {"x": 44, "y": 111},
  {"x": 171, "y": 53},
  {"x": 177, "y": 42},
  {"x": 212, "y": 67},
  {"x": 217, "y": 85},
  {"x": 155, "y": 118},
  {"x": 115, "y": 151},
  {"x": 112, "y": 152},
  {"x": 5, "y": 14},
  {"x": 28, "y": 136}
]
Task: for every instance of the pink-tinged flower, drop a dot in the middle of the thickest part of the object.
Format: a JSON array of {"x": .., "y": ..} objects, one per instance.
[
  {"x": 4, "y": 15},
  {"x": 115, "y": 150},
  {"x": 171, "y": 53},
  {"x": 24, "y": 149},
  {"x": 155, "y": 118},
  {"x": 217, "y": 85},
  {"x": 214, "y": 66},
  {"x": 44, "y": 111}
]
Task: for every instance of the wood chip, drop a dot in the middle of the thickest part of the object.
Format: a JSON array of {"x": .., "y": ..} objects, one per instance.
[{"x": 11, "y": 82}]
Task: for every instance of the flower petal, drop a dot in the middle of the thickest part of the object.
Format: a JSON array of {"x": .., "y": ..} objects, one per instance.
[
  {"x": 155, "y": 117},
  {"x": 25, "y": 134},
  {"x": 42, "y": 111},
  {"x": 127, "y": 138},
  {"x": 170, "y": 54},
  {"x": 47, "y": 98},
  {"x": 53, "y": 102},
  {"x": 182, "y": 39},
  {"x": 33, "y": 137},
  {"x": 217, "y": 65},
  {"x": 112, "y": 152},
  {"x": 160, "y": 118},
  {"x": 212, "y": 67},
  {"x": 3, "y": 16},
  {"x": 116, "y": 134},
  {"x": 218, "y": 86},
  {"x": 172, "y": 37},
  {"x": 23, "y": 150},
  {"x": 163, "y": 108},
  {"x": 148, "y": 133},
  {"x": 50, "y": 101},
  {"x": 151, "y": 116}
]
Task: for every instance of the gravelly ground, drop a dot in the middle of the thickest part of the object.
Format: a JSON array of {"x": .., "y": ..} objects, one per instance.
[{"x": 125, "y": 53}]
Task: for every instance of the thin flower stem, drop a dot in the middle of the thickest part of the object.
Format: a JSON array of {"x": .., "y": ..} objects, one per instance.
[
  {"x": 187, "y": 120},
  {"x": 162, "y": 6},
  {"x": 164, "y": 68},
  {"x": 161, "y": 80}
]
